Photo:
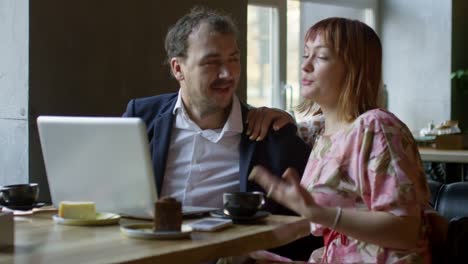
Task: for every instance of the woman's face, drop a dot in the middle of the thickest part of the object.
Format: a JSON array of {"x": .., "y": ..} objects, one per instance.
[{"x": 323, "y": 73}]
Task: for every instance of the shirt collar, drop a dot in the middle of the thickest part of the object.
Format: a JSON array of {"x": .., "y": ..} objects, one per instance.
[
  {"x": 233, "y": 123},
  {"x": 178, "y": 105}
]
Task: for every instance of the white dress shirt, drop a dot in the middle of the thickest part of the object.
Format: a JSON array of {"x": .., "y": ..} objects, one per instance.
[{"x": 203, "y": 164}]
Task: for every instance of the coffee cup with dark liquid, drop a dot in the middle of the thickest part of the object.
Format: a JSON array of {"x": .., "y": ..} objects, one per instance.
[
  {"x": 242, "y": 204},
  {"x": 19, "y": 194}
]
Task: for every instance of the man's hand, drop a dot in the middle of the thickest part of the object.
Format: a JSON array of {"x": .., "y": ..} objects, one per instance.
[{"x": 259, "y": 121}]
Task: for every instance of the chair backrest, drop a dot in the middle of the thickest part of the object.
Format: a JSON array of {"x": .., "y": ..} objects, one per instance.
[
  {"x": 457, "y": 240},
  {"x": 434, "y": 187},
  {"x": 449, "y": 228},
  {"x": 438, "y": 229},
  {"x": 452, "y": 200}
]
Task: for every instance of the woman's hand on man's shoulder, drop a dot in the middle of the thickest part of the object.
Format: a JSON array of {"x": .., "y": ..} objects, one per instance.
[{"x": 260, "y": 120}]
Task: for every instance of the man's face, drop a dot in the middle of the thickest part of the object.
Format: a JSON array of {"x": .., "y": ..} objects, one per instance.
[{"x": 210, "y": 73}]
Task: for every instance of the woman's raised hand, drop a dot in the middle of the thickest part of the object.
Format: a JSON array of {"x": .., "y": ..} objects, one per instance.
[
  {"x": 286, "y": 191},
  {"x": 259, "y": 121}
]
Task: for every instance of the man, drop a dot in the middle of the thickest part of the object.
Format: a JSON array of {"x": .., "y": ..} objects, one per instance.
[{"x": 198, "y": 140}]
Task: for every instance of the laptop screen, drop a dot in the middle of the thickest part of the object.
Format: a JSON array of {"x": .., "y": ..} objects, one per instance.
[{"x": 100, "y": 159}]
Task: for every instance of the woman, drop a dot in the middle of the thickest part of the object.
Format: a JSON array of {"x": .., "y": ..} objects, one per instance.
[{"x": 363, "y": 188}]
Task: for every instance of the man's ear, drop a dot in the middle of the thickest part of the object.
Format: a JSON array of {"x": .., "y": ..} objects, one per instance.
[{"x": 176, "y": 68}]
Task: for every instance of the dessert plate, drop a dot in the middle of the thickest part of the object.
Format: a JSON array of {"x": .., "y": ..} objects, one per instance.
[
  {"x": 145, "y": 231},
  {"x": 101, "y": 219}
]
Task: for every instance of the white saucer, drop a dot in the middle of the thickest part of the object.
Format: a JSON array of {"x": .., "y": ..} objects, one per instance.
[
  {"x": 145, "y": 231},
  {"x": 101, "y": 219}
]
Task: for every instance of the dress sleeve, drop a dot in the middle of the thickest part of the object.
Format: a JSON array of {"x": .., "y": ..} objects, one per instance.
[{"x": 390, "y": 174}]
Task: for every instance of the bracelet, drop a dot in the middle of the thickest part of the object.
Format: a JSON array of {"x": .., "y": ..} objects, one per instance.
[{"x": 337, "y": 217}]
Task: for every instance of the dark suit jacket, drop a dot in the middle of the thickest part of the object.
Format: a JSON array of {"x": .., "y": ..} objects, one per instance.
[{"x": 278, "y": 151}]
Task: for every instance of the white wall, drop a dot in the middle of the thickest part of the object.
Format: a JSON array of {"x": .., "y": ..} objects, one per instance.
[
  {"x": 13, "y": 91},
  {"x": 312, "y": 12},
  {"x": 416, "y": 38}
]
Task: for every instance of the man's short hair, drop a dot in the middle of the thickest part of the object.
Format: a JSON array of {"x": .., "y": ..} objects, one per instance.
[{"x": 176, "y": 43}]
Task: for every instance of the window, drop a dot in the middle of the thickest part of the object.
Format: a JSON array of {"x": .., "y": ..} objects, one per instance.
[{"x": 266, "y": 70}]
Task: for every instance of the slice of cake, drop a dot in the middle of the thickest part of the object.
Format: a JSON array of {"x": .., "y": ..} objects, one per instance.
[
  {"x": 168, "y": 215},
  {"x": 77, "y": 210}
]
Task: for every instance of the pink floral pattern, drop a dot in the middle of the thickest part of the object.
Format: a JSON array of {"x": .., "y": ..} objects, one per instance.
[{"x": 372, "y": 165}]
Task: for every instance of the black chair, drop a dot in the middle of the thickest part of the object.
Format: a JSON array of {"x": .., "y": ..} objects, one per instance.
[
  {"x": 451, "y": 200},
  {"x": 457, "y": 241},
  {"x": 434, "y": 187},
  {"x": 449, "y": 229}
]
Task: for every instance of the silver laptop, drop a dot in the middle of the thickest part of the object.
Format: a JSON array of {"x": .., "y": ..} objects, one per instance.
[{"x": 101, "y": 159}]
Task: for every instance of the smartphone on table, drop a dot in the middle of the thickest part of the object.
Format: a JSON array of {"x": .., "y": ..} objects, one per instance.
[{"x": 211, "y": 224}]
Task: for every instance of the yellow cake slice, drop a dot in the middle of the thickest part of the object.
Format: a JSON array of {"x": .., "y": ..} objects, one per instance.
[{"x": 77, "y": 210}]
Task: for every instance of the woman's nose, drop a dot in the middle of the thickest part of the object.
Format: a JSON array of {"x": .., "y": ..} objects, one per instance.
[{"x": 307, "y": 65}]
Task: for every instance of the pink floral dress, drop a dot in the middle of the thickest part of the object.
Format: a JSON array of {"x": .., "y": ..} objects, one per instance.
[{"x": 373, "y": 165}]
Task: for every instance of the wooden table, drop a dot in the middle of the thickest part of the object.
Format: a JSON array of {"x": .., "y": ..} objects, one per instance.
[
  {"x": 444, "y": 155},
  {"x": 39, "y": 240}
]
